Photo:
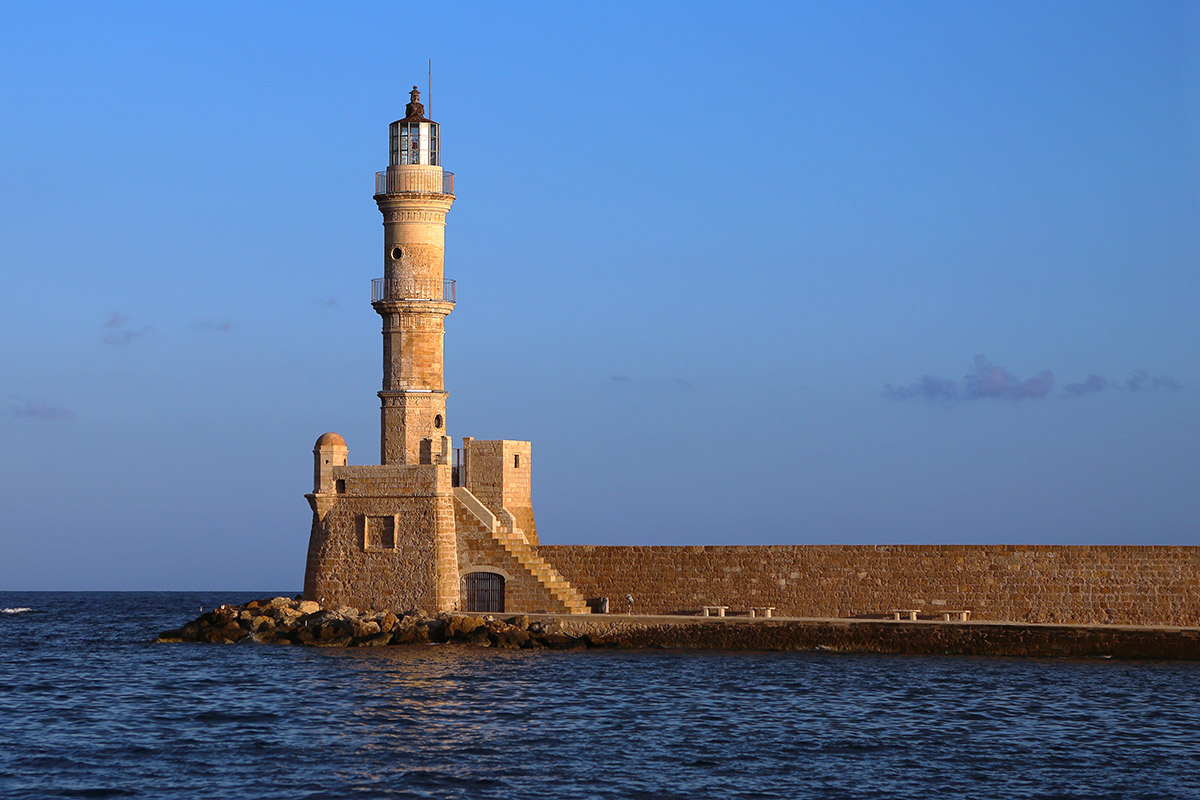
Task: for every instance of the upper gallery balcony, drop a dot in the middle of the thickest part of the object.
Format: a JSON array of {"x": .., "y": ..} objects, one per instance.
[
  {"x": 412, "y": 289},
  {"x": 404, "y": 181}
]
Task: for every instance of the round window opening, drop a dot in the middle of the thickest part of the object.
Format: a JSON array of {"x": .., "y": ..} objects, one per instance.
[
  {"x": 396, "y": 253},
  {"x": 437, "y": 421}
]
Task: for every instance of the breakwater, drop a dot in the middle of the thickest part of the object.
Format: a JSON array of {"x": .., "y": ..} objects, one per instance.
[
  {"x": 1066, "y": 584},
  {"x": 286, "y": 621}
]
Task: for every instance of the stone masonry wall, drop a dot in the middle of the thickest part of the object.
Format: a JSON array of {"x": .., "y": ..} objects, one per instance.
[
  {"x": 385, "y": 541},
  {"x": 499, "y": 474},
  {"x": 1042, "y": 583},
  {"x": 518, "y": 486}
]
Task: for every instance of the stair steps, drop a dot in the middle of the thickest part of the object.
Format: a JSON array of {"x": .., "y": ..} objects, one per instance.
[{"x": 516, "y": 545}]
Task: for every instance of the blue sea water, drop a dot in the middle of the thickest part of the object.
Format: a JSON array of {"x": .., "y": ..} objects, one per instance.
[{"x": 90, "y": 708}]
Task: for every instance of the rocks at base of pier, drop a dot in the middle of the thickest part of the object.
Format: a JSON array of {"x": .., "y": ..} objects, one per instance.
[
  {"x": 280, "y": 620},
  {"x": 283, "y": 621}
]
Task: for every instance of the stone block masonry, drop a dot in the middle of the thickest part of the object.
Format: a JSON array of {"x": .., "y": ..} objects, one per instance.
[{"x": 1129, "y": 585}]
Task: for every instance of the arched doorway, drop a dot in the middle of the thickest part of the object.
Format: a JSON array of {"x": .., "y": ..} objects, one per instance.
[{"x": 483, "y": 591}]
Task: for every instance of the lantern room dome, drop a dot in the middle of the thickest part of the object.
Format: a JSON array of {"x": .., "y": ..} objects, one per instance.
[
  {"x": 415, "y": 139},
  {"x": 415, "y": 110}
]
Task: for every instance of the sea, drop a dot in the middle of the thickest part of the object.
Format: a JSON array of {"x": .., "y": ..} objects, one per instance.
[{"x": 91, "y": 707}]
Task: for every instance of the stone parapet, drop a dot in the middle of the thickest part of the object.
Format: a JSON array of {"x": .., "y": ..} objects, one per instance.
[{"x": 393, "y": 480}]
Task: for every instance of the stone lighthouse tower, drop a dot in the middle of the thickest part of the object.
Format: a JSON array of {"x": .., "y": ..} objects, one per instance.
[
  {"x": 416, "y": 531},
  {"x": 413, "y": 297}
]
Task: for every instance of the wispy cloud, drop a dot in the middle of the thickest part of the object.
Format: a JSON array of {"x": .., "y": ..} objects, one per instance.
[
  {"x": 985, "y": 381},
  {"x": 39, "y": 409},
  {"x": 117, "y": 332},
  {"x": 1089, "y": 385},
  {"x": 1139, "y": 381},
  {"x": 215, "y": 326}
]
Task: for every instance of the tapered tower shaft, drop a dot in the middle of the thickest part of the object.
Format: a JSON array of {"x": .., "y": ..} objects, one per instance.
[{"x": 413, "y": 297}]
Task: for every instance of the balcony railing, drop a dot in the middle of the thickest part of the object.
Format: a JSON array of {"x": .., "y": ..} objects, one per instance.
[
  {"x": 412, "y": 289},
  {"x": 426, "y": 182}
]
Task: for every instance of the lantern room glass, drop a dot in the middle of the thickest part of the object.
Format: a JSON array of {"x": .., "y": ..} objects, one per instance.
[{"x": 415, "y": 143}]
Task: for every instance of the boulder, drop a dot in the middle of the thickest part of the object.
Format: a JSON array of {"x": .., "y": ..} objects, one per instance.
[
  {"x": 337, "y": 641},
  {"x": 520, "y": 621},
  {"x": 378, "y": 640},
  {"x": 458, "y": 627},
  {"x": 388, "y": 622},
  {"x": 435, "y": 629},
  {"x": 511, "y": 639},
  {"x": 308, "y": 607},
  {"x": 320, "y": 618},
  {"x": 362, "y": 628},
  {"x": 405, "y": 632},
  {"x": 229, "y": 633},
  {"x": 561, "y": 641},
  {"x": 480, "y": 637}
]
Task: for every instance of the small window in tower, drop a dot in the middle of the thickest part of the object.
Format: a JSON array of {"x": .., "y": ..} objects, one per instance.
[
  {"x": 516, "y": 461},
  {"x": 437, "y": 420},
  {"x": 396, "y": 253}
]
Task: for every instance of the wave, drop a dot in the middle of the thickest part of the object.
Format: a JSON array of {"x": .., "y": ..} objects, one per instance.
[{"x": 21, "y": 610}]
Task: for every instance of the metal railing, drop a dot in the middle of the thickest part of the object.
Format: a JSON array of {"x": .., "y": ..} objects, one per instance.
[
  {"x": 413, "y": 289},
  {"x": 406, "y": 182}
]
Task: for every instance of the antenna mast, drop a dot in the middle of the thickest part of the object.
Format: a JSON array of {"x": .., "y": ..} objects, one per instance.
[{"x": 429, "y": 91}]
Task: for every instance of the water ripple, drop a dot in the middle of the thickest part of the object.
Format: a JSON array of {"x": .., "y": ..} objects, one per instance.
[{"x": 89, "y": 709}]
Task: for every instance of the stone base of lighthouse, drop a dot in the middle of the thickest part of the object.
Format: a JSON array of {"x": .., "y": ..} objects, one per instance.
[{"x": 404, "y": 536}]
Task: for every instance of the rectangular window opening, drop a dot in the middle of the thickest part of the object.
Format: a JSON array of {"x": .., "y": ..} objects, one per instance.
[{"x": 379, "y": 533}]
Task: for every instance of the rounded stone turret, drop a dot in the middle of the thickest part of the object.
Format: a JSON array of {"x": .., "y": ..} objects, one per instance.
[
  {"x": 330, "y": 451},
  {"x": 330, "y": 439}
]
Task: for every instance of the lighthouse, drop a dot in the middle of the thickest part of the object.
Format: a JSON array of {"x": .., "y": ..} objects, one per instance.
[
  {"x": 423, "y": 529},
  {"x": 413, "y": 297}
]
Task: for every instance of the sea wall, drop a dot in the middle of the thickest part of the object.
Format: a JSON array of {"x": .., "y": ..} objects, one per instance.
[
  {"x": 1036, "y": 583},
  {"x": 870, "y": 636},
  {"x": 281, "y": 620}
]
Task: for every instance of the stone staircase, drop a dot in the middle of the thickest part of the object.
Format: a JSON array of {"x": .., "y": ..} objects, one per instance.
[{"x": 505, "y": 533}]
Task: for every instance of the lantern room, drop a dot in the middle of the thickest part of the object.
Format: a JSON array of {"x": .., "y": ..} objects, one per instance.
[{"x": 415, "y": 139}]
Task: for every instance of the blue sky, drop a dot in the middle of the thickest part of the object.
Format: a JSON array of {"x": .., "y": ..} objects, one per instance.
[{"x": 774, "y": 273}]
